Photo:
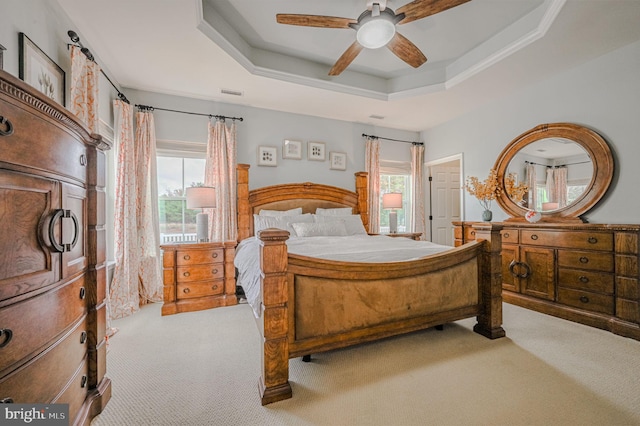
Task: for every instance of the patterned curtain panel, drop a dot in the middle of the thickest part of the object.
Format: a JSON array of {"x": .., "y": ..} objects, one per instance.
[
  {"x": 83, "y": 100},
  {"x": 552, "y": 196},
  {"x": 532, "y": 197},
  {"x": 417, "y": 190},
  {"x": 220, "y": 172},
  {"x": 372, "y": 165},
  {"x": 560, "y": 180}
]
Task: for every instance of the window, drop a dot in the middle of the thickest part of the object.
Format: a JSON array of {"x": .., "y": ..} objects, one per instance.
[
  {"x": 393, "y": 179},
  {"x": 177, "y": 171}
]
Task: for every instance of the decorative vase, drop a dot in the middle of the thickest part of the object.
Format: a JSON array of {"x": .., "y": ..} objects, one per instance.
[{"x": 487, "y": 215}]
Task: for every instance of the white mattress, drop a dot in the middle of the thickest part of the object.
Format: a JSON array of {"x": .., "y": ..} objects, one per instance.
[{"x": 357, "y": 248}]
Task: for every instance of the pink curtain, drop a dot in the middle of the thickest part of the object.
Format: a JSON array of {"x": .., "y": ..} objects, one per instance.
[
  {"x": 417, "y": 190},
  {"x": 220, "y": 172},
  {"x": 372, "y": 167},
  {"x": 83, "y": 99},
  {"x": 137, "y": 277}
]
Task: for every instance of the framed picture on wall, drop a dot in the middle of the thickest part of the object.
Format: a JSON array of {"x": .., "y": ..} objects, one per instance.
[
  {"x": 267, "y": 156},
  {"x": 292, "y": 149},
  {"x": 315, "y": 151},
  {"x": 338, "y": 160},
  {"x": 39, "y": 70}
]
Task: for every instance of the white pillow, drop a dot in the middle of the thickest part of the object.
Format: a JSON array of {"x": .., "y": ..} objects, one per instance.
[
  {"x": 279, "y": 222},
  {"x": 342, "y": 211},
  {"x": 353, "y": 223},
  {"x": 335, "y": 228},
  {"x": 275, "y": 213}
]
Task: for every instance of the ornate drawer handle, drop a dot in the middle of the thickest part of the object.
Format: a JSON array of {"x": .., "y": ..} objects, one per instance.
[
  {"x": 506, "y": 235},
  {"x": 584, "y": 299},
  {"x": 186, "y": 274},
  {"x": 584, "y": 259},
  {"x": 83, "y": 381},
  {"x": 534, "y": 237},
  {"x": 512, "y": 267},
  {"x": 214, "y": 255},
  {"x": 186, "y": 257},
  {"x": 592, "y": 240},
  {"x": 83, "y": 293},
  {"x": 6, "y": 401},
  {"x": 83, "y": 337},
  {"x": 215, "y": 271},
  {"x": 186, "y": 290},
  {"x": 9, "y": 130},
  {"x": 61, "y": 213},
  {"x": 8, "y": 335},
  {"x": 584, "y": 279}
]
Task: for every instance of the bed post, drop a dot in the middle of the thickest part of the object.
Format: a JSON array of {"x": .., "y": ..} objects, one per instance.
[
  {"x": 490, "y": 320},
  {"x": 274, "y": 383},
  {"x": 362, "y": 189},
  {"x": 244, "y": 209}
]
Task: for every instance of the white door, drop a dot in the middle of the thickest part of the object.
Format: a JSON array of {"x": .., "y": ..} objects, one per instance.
[{"x": 445, "y": 201}]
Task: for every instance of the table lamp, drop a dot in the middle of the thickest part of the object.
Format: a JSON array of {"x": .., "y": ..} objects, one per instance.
[
  {"x": 392, "y": 200},
  {"x": 201, "y": 197}
]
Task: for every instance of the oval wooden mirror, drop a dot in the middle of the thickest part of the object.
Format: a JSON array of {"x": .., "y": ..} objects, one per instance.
[{"x": 570, "y": 168}]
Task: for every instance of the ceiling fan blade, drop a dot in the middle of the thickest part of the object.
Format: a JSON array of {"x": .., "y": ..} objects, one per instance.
[
  {"x": 419, "y": 9},
  {"x": 347, "y": 57},
  {"x": 407, "y": 51},
  {"x": 314, "y": 21}
]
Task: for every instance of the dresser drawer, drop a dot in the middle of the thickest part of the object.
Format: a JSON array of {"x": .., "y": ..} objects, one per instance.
[
  {"x": 37, "y": 321},
  {"x": 199, "y": 273},
  {"x": 76, "y": 391},
  {"x": 510, "y": 236},
  {"x": 581, "y": 240},
  {"x": 586, "y": 280},
  {"x": 594, "y": 261},
  {"x": 469, "y": 234},
  {"x": 47, "y": 375},
  {"x": 196, "y": 289},
  {"x": 49, "y": 146},
  {"x": 586, "y": 300},
  {"x": 195, "y": 257}
]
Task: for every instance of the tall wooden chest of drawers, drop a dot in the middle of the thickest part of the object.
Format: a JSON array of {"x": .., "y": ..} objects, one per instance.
[
  {"x": 52, "y": 255},
  {"x": 198, "y": 276},
  {"x": 588, "y": 273}
]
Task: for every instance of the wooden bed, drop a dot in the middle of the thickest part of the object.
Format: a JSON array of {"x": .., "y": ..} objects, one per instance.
[{"x": 303, "y": 298}]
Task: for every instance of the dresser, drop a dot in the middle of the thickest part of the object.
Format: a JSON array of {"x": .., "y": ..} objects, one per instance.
[
  {"x": 198, "y": 276},
  {"x": 52, "y": 255},
  {"x": 587, "y": 273}
]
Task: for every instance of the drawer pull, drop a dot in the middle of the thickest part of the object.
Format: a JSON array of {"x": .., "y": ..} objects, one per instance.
[
  {"x": 473, "y": 232},
  {"x": 592, "y": 240},
  {"x": 8, "y": 335},
  {"x": 6, "y": 401},
  {"x": 534, "y": 237},
  {"x": 214, "y": 287},
  {"x": 67, "y": 214},
  {"x": 83, "y": 382},
  {"x": 584, "y": 259},
  {"x": 584, "y": 299},
  {"x": 83, "y": 293},
  {"x": 186, "y": 290},
  {"x": 215, "y": 271},
  {"x": 83, "y": 337},
  {"x": 214, "y": 255},
  {"x": 584, "y": 279},
  {"x": 186, "y": 274},
  {"x": 9, "y": 126},
  {"x": 83, "y": 160},
  {"x": 506, "y": 235},
  {"x": 186, "y": 257}
]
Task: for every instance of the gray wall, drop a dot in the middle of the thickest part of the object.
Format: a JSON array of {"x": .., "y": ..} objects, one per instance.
[{"x": 603, "y": 94}]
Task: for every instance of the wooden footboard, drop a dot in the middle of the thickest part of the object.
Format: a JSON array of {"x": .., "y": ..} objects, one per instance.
[{"x": 312, "y": 305}]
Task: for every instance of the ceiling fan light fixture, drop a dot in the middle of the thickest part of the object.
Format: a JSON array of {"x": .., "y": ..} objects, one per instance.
[{"x": 375, "y": 32}]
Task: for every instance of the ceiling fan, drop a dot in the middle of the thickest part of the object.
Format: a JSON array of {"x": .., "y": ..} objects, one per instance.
[{"x": 376, "y": 27}]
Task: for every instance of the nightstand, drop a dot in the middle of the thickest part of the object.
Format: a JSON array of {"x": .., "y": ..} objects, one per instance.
[
  {"x": 198, "y": 276},
  {"x": 412, "y": 235}
]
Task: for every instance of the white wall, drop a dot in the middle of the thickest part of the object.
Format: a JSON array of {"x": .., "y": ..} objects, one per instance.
[{"x": 603, "y": 94}]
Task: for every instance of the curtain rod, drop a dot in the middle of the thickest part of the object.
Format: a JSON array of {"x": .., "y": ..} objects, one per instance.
[
  {"x": 221, "y": 117},
  {"x": 557, "y": 165},
  {"x": 76, "y": 40},
  {"x": 364, "y": 135}
]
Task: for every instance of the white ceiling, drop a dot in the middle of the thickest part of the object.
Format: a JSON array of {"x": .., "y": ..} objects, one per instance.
[{"x": 477, "y": 52}]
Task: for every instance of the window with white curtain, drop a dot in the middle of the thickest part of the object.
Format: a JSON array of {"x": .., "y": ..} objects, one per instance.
[
  {"x": 396, "y": 177},
  {"x": 180, "y": 166}
]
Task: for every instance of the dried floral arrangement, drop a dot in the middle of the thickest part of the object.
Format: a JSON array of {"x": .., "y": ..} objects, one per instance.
[{"x": 489, "y": 189}]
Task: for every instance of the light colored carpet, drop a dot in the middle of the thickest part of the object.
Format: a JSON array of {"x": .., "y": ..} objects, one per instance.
[{"x": 202, "y": 368}]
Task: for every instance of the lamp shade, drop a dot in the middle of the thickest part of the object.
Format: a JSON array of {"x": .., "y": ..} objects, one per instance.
[
  {"x": 201, "y": 197},
  {"x": 392, "y": 200}
]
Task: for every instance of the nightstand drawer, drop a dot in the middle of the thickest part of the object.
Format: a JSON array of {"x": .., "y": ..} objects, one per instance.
[
  {"x": 586, "y": 260},
  {"x": 199, "y": 273},
  {"x": 195, "y": 257},
  {"x": 190, "y": 290}
]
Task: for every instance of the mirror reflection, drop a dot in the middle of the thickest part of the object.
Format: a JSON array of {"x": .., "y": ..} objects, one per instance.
[{"x": 556, "y": 170}]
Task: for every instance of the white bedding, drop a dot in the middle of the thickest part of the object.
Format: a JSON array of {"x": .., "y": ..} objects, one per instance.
[{"x": 356, "y": 248}]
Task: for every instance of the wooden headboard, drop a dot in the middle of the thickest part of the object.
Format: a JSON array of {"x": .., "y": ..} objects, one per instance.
[{"x": 307, "y": 195}]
